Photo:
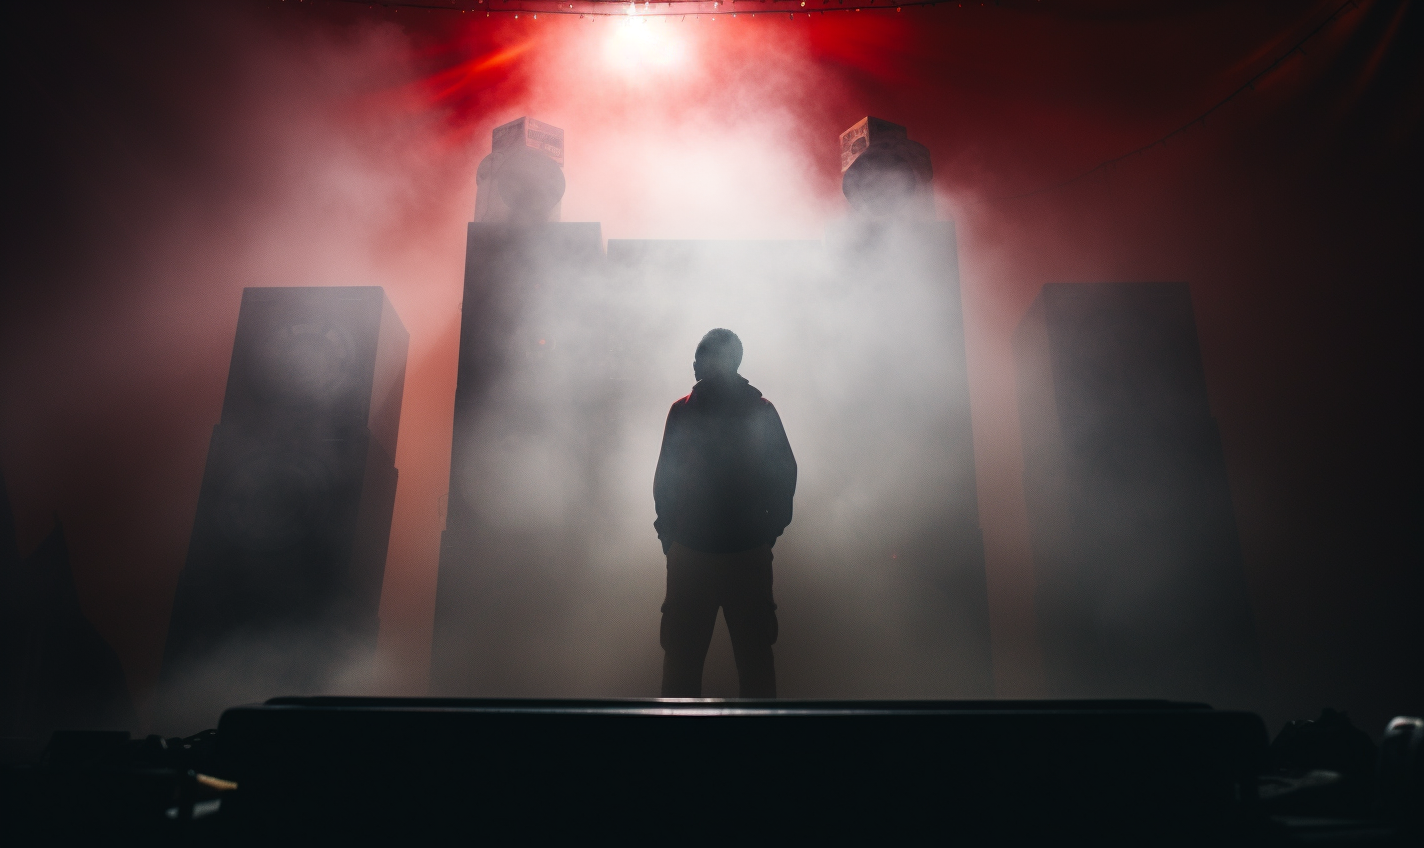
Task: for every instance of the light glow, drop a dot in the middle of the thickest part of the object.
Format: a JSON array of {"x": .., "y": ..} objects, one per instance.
[{"x": 637, "y": 46}]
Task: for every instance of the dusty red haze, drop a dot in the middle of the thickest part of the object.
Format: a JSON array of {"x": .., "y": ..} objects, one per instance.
[{"x": 175, "y": 155}]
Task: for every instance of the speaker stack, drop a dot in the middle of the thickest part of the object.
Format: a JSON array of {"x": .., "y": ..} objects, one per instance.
[
  {"x": 1141, "y": 587},
  {"x": 283, "y": 577}
]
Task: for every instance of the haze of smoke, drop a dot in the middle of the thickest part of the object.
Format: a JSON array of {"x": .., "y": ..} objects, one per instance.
[
  {"x": 309, "y": 172},
  {"x": 716, "y": 146},
  {"x": 231, "y": 154},
  {"x": 862, "y": 368},
  {"x": 698, "y": 134},
  {"x": 336, "y": 172},
  {"x": 323, "y": 176}
]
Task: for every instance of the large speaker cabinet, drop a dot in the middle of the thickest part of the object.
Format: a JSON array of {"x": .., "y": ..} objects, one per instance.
[
  {"x": 282, "y": 582},
  {"x": 1141, "y": 590},
  {"x": 531, "y": 424}
]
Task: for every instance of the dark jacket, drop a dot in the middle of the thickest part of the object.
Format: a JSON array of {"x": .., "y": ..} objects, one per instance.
[{"x": 726, "y": 473}]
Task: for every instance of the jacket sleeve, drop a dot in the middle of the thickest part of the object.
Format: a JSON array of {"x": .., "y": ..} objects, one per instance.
[
  {"x": 666, "y": 478},
  {"x": 780, "y": 469}
]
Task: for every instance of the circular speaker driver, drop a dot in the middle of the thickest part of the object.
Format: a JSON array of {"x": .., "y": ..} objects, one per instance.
[{"x": 274, "y": 501}]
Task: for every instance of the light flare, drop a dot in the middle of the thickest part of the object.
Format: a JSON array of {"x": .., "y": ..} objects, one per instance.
[{"x": 636, "y": 46}]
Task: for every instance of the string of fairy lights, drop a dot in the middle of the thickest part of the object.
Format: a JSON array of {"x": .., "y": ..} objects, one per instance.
[{"x": 665, "y": 9}]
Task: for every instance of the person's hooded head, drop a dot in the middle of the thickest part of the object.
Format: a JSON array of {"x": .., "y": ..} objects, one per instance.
[{"x": 719, "y": 354}]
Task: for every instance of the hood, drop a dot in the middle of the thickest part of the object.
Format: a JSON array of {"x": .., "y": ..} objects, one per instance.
[{"x": 724, "y": 390}]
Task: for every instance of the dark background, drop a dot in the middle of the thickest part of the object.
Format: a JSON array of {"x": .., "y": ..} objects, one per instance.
[{"x": 161, "y": 156}]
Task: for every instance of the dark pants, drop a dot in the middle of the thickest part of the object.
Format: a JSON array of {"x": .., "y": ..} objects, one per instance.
[{"x": 698, "y": 584}]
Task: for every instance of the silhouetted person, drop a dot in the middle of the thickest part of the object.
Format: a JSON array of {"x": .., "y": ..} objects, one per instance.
[{"x": 723, "y": 492}]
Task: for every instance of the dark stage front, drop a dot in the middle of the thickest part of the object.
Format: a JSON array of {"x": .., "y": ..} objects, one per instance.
[
  {"x": 708, "y": 772},
  {"x": 456, "y": 771}
]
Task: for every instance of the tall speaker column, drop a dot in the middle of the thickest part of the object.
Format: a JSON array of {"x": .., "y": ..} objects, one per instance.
[
  {"x": 529, "y": 430},
  {"x": 282, "y": 583},
  {"x": 1141, "y": 588}
]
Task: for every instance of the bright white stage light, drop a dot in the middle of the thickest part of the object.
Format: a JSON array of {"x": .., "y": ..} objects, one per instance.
[{"x": 637, "y": 46}]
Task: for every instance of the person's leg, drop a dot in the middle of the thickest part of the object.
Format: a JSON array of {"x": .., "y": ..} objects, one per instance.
[
  {"x": 689, "y": 614},
  {"x": 751, "y": 620}
]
